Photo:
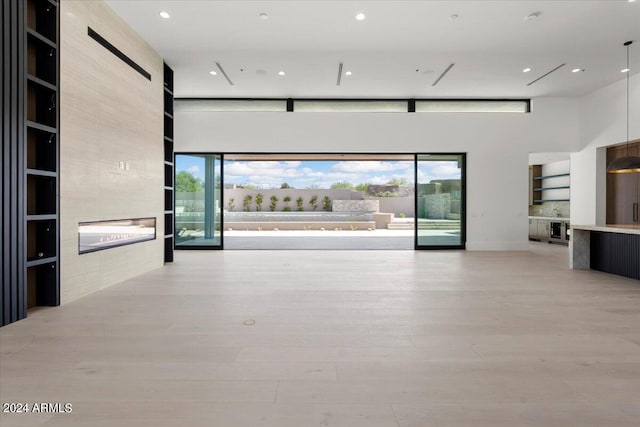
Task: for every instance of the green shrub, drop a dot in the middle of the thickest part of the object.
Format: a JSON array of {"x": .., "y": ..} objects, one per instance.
[
  {"x": 259, "y": 199},
  {"x": 299, "y": 202},
  {"x": 326, "y": 203},
  {"x": 273, "y": 204},
  {"x": 231, "y": 204},
  {"x": 246, "y": 203},
  {"x": 313, "y": 202}
]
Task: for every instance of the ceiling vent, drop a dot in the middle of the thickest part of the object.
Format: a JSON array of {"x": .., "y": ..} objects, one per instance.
[
  {"x": 224, "y": 73},
  {"x": 546, "y": 74},
  {"x": 444, "y": 73}
]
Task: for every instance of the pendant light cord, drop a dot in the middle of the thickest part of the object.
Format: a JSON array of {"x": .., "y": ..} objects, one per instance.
[{"x": 628, "y": 72}]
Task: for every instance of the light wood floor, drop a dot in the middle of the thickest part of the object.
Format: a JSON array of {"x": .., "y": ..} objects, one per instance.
[{"x": 347, "y": 339}]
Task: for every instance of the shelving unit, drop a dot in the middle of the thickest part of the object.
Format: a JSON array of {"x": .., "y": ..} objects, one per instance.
[
  {"x": 168, "y": 165},
  {"x": 42, "y": 153},
  {"x": 536, "y": 186}
]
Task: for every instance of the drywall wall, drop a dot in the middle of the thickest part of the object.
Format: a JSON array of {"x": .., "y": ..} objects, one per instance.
[
  {"x": 602, "y": 123},
  {"x": 111, "y": 157},
  {"x": 498, "y": 147}
]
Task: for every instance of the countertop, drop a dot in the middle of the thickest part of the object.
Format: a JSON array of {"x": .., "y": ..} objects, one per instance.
[
  {"x": 610, "y": 228},
  {"x": 557, "y": 218}
]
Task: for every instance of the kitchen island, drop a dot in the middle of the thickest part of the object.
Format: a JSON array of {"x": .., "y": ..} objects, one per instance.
[{"x": 609, "y": 248}]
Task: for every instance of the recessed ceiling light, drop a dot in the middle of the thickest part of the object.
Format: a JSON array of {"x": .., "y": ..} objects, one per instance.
[
  {"x": 264, "y": 16},
  {"x": 361, "y": 16},
  {"x": 533, "y": 15},
  {"x": 526, "y": 70},
  {"x": 625, "y": 70},
  {"x": 281, "y": 73},
  {"x": 213, "y": 73},
  {"x": 165, "y": 15},
  {"x": 577, "y": 70},
  {"x": 348, "y": 73}
]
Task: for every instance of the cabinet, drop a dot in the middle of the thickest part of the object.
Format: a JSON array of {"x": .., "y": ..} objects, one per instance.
[
  {"x": 623, "y": 190},
  {"x": 550, "y": 230},
  {"x": 42, "y": 153},
  {"x": 168, "y": 165}
]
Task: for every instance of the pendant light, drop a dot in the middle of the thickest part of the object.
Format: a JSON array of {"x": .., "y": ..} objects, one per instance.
[{"x": 627, "y": 164}]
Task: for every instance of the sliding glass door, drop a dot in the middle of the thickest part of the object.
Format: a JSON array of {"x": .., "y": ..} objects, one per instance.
[
  {"x": 198, "y": 208},
  {"x": 440, "y": 201}
]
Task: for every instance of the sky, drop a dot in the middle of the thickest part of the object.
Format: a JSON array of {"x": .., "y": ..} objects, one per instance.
[{"x": 319, "y": 174}]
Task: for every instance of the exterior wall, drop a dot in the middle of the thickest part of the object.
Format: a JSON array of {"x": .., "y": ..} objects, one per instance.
[
  {"x": 497, "y": 147},
  {"x": 399, "y": 206},
  {"x": 111, "y": 160},
  {"x": 238, "y": 195}
]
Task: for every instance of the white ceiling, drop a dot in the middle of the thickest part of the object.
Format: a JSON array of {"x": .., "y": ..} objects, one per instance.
[{"x": 490, "y": 43}]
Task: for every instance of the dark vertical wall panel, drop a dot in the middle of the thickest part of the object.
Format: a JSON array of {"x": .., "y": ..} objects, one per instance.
[
  {"x": 13, "y": 303},
  {"x": 616, "y": 253}
]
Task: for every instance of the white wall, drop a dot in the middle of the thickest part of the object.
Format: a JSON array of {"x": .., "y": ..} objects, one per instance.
[
  {"x": 602, "y": 123},
  {"x": 498, "y": 147}
]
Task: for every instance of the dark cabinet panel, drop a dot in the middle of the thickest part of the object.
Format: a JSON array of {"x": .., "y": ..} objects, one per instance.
[{"x": 623, "y": 190}]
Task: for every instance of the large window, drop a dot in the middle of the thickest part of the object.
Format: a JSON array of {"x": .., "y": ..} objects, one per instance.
[
  {"x": 441, "y": 201},
  {"x": 197, "y": 201}
]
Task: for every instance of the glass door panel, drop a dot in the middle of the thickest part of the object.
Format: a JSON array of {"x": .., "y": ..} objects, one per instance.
[
  {"x": 440, "y": 201},
  {"x": 198, "y": 209}
]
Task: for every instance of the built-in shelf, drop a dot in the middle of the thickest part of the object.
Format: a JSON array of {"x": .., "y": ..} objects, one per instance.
[
  {"x": 564, "y": 187},
  {"x": 40, "y": 172},
  {"x": 40, "y": 37},
  {"x": 41, "y": 82},
  {"x": 539, "y": 178},
  {"x": 40, "y": 126},
  {"x": 42, "y": 152},
  {"x": 41, "y": 217},
  {"x": 41, "y": 261}
]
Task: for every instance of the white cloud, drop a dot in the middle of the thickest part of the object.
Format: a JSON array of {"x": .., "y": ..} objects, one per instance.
[
  {"x": 438, "y": 170},
  {"x": 195, "y": 169},
  {"x": 371, "y": 166}
]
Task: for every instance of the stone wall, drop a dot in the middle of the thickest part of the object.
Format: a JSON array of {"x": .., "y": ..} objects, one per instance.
[
  {"x": 437, "y": 206},
  {"x": 356, "y": 206}
]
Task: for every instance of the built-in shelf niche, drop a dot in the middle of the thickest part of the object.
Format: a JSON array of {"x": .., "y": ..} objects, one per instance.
[
  {"x": 41, "y": 239},
  {"x": 42, "y": 152},
  {"x": 42, "y": 284},
  {"x": 41, "y": 103},
  {"x": 42, "y": 18},
  {"x": 41, "y": 58},
  {"x": 168, "y": 164},
  {"x": 41, "y": 195}
]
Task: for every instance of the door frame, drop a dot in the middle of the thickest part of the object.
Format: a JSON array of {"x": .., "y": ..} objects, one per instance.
[
  {"x": 463, "y": 219},
  {"x": 463, "y": 204},
  {"x": 175, "y": 217}
]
